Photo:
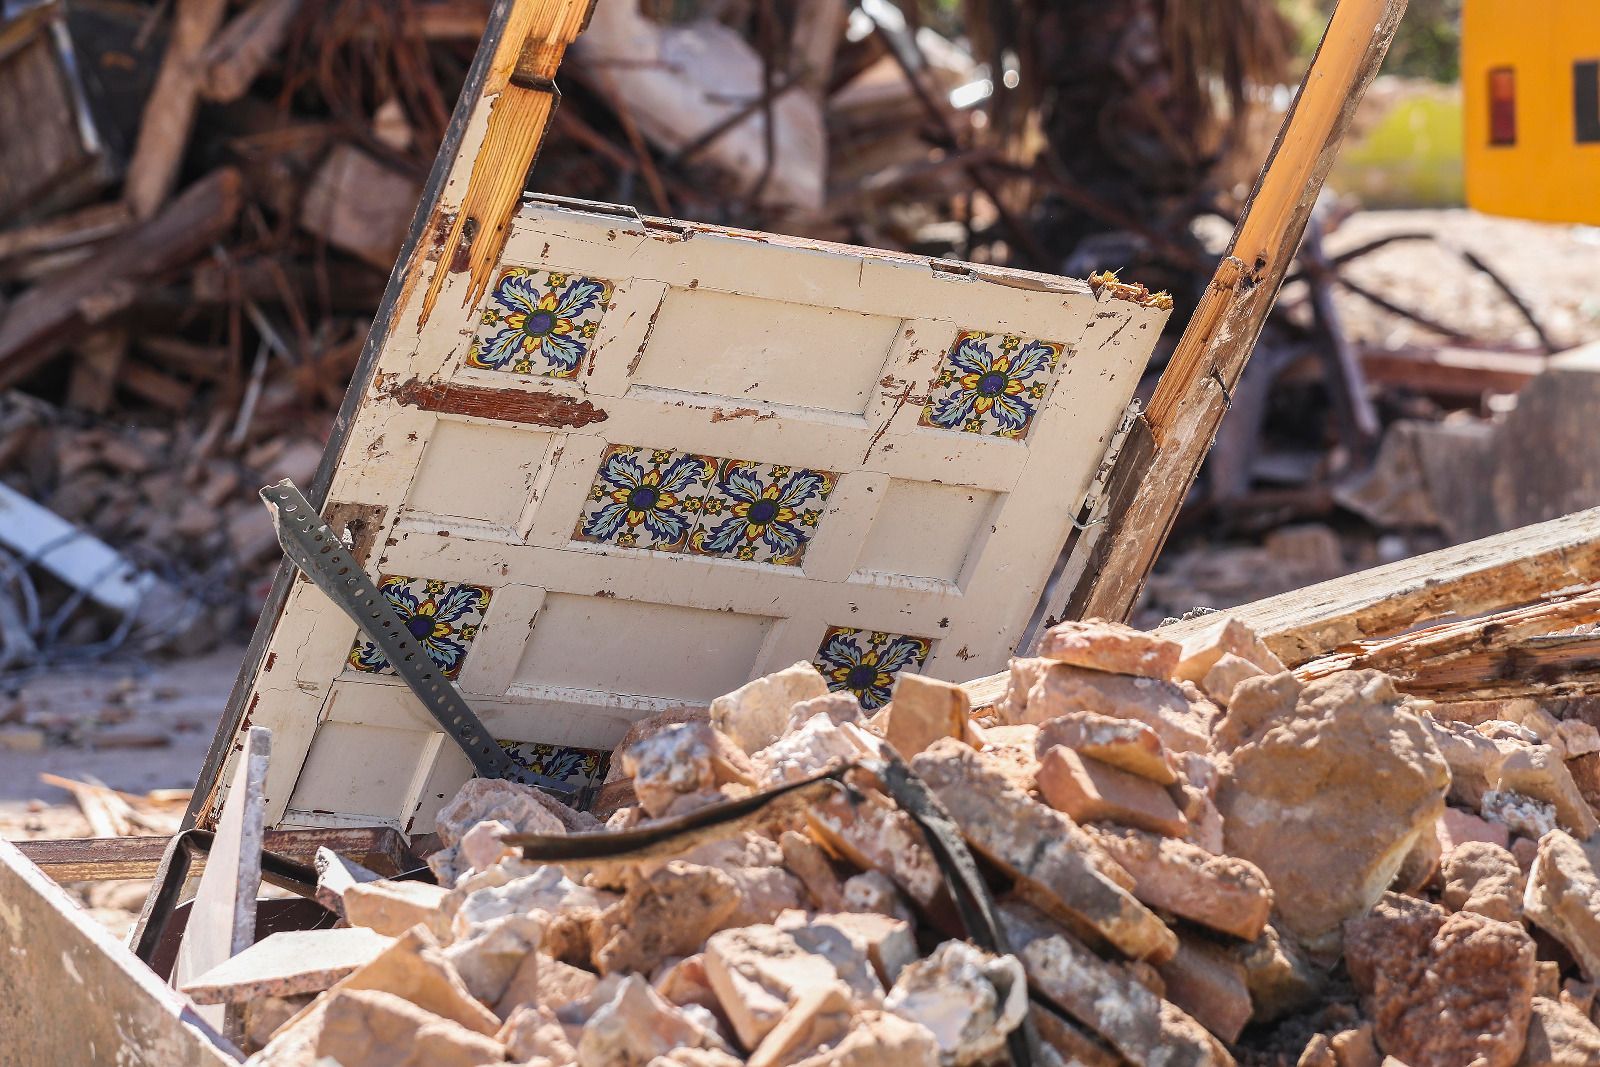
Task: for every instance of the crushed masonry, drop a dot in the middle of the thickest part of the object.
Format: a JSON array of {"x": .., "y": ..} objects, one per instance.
[{"x": 1187, "y": 844}]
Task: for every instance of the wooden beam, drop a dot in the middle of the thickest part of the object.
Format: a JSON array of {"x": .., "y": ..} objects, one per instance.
[
  {"x": 1493, "y": 574},
  {"x": 1504, "y": 571},
  {"x": 1194, "y": 391},
  {"x": 54, "y": 313},
  {"x": 521, "y": 86},
  {"x": 169, "y": 110},
  {"x": 104, "y": 859}
]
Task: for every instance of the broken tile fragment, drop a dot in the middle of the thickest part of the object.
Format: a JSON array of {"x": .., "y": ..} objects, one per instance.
[
  {"x": 1091, "y": 791},
  {"x": 1106, "y": 997},
  {"x": 1161, "y": 705},
  {"x": 391, "y": 908},
  {"x": 1209, "y": 984}
]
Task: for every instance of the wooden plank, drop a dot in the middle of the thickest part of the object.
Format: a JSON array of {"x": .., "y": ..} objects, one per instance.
[
  {"x": 104, "y": 859},
  {"x": 50, "y": 316},
  {"x": 1194, "y": 391},
  {"x": 70, "y": 993},
  {"x": 169, "y": 112},
  {"x": 1507, "y": 570},
  {"x": 222, "y": 922}
]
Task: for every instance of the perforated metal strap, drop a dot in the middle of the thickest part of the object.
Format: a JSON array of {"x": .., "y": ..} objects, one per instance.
[{"x": 312, "y": 546}]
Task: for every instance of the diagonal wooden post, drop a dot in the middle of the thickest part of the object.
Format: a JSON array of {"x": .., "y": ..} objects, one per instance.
[
  {"x": 522, "y": 89},
  {"x": 1163, "y": 454}
]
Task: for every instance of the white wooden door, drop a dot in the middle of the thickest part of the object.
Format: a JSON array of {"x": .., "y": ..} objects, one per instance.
[{"x": 658, "y": 459}]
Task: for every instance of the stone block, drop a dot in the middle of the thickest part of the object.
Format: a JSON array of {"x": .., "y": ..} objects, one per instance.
[
  {"x": 1091, "y": 791},
  {"x": 1208, "y": 983},
  {"x": 1055, "y": 861},
  {"x": 1127, "y": 744},
  {"x": 370, "y": 1026},
  {"x": 1110, "y": 646},
  {"x": 287, "y": 963},
  {"x": 1224, "y": 893},
  {"x": 757, "y": 713},
  {"x": 924, "y": 710}
]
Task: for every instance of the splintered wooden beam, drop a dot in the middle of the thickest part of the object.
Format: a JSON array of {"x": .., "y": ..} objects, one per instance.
[
  {"x": 1504, "y": 571},
  {"x": 1150, "y": 483},
  {"x": 521, "y": 86},
  {"x": 1509, "y": 570}
]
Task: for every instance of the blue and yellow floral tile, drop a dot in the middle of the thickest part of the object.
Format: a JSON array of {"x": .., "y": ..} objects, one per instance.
[
  {"x": 578, "y": 765},
  {"x": 865, "y": 662},
  {"x": 991, "y": 384},
  {"x": 443, "y": 617},
  {"x": 539, "y": 322},
  {"x": 644, "y": 498},
  {"x": 760, "y": 512}
]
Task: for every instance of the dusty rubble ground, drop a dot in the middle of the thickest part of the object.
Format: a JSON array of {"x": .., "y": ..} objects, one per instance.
[{"x": 1198, "y": 857}]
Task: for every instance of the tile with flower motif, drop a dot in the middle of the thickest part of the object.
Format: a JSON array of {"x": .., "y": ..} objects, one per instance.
[
  {"x": 865, "y": 662},
  {"x": 539, "y": 322},
  {"x": 577, "y": 765},
  {"x": 991, "y": 384},
  {"x": 644, "y": 498},
  {"x": 442, "y": 616},
  {"x": 760, "y": 512}
]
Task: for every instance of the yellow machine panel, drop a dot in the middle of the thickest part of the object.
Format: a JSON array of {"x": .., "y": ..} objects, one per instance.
[{"x": 1530, "y": 76}]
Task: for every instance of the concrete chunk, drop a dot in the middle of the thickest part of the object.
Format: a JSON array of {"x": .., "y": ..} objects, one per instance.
[
  {"x": 1226, "y": 636},
  {"x": 370, "y": 1026}
]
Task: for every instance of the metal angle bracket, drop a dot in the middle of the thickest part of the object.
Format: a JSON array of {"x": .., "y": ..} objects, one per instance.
[{"x": 312, "y": 546}]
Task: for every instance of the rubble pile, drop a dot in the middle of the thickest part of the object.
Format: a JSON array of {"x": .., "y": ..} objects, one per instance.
[{"x": 1195, "y": 858}]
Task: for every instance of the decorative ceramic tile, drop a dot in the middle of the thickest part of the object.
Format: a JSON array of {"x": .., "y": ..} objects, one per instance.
[
  {"x": 865, "y": 662},
  {"x": 644, "y": 498},
  {"x": 679, "y": 502},
  {"x": 991, "y": 384},
  {"x": 539, "y": 322},
  {"x": 559, "y": 762},
  {"x": 442, "y": 616},
  {"x": 760, "y": 512}
]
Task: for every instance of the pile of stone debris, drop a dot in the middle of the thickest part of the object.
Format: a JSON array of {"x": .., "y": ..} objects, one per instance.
[{"x": 1195, "y": 859}]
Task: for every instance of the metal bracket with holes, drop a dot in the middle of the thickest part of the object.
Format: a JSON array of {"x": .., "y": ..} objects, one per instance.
[{"x": 312, "y": 546}]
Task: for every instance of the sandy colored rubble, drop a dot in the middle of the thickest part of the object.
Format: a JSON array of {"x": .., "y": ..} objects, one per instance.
[{"x": 1184, "y": 874}]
